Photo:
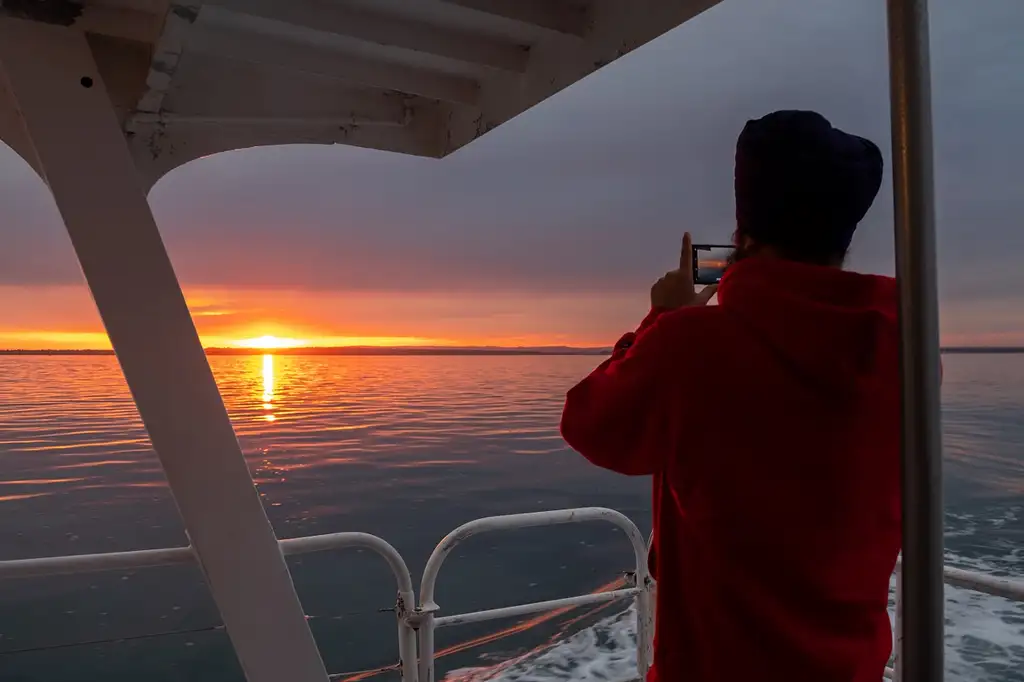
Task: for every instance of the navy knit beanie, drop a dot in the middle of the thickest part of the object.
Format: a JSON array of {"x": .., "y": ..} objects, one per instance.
[{"x": 801, "y": 185}]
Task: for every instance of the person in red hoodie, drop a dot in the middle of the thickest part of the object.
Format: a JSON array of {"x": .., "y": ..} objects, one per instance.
[{"x": 771, "y": 425}]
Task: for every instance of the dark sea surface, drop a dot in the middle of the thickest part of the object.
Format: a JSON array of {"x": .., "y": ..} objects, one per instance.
[{"x": 407, "y": 448}]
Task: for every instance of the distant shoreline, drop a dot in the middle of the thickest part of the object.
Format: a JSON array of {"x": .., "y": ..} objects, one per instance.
[
  {"x": 984, "y": 350},
  {"x": 440, "y": 351},
  {"x": 350, "y": 350}
]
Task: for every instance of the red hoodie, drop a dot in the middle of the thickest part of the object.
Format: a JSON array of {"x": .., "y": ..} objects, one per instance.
[{"x": 771, "y": 425}]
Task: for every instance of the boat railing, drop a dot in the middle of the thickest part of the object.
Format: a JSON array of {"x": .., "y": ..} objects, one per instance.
[
  {"x": 146, "y": 558},
  {"x": 416, "y": 623},
  {"x": 1007, "y": 588},
  {"x": 639, "y": 590}
]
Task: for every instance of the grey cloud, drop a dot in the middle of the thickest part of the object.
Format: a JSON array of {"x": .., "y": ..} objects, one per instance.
[{"x": 591, "y": 190}]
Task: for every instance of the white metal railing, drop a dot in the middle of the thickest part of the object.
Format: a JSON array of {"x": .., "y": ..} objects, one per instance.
[
  {"x": 428, "y": 621},
  {"x": 955, "y": 577},
  {"x": 116, "y": 561},
  {"x": 416, "y": 625}
]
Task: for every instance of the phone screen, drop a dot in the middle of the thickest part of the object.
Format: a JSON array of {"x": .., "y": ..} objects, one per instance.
[{"x": 710, "y": 262}]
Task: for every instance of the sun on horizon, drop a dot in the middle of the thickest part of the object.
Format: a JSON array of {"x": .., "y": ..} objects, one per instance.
[
  {"x": 272, "y": 342},
  {"x": 269, "y": 342}
]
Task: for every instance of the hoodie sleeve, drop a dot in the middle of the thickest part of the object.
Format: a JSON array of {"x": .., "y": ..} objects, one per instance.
[{"x": 616, "y": 417}]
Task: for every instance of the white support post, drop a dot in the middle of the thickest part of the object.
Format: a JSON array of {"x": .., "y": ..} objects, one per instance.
[{"x": 81, "y": 152}]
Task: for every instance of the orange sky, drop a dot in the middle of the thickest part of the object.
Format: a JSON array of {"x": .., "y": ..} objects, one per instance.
[{"x": 64, "y": 317}]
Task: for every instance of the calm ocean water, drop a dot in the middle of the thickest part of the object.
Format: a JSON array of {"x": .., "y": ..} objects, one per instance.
[{"x": 407, "y": 448}]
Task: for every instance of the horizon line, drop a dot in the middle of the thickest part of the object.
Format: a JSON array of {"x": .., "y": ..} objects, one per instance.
[
  {"x": 345, "y": 350},
  {"x": 422, "y": 350}
]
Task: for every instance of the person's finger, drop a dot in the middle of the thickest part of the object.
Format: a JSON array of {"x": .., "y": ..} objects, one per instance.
[
  {"x": 705, "y": 294},
  {"x": 686, "y": 262},
  {"x": 686, "y": 255}
]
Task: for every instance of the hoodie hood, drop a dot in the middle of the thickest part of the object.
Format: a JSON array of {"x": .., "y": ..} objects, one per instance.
[{"x": 836, "y": 329}]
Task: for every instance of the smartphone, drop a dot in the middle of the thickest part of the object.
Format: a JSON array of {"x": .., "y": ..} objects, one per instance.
[{"x": 710, "y": 262}]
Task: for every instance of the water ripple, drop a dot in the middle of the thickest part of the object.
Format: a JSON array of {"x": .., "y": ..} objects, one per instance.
[{"x": 408, "y": 448}]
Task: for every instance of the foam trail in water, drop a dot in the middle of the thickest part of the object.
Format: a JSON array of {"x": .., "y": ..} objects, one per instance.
[
  {"x": 604, "y": 652},
  {"x": 984, "y": 643}
]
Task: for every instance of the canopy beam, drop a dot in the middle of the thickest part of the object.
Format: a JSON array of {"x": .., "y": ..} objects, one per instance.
[
  {"x": 80, "y": 150},
  {"x": 558, "y": 16},
  {"x": 921, "y": 657},
  {"x": 223, "y": 39},
  {"x": 363, "y": 26}
]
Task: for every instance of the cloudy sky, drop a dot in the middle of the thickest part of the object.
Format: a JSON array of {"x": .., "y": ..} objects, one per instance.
[{"x": 550, "y": 229}]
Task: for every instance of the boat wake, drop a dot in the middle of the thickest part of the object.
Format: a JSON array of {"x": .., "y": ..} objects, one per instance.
[
  {"x": 984, "y": 636},
  {"x": 603, "y": 652}
]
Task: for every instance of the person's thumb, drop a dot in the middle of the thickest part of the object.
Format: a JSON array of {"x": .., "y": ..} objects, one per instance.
[{"x": 705, "y": 294}]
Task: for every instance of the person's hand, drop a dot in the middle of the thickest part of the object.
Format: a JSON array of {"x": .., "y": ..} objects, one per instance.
[{"x": 675, "y": 289}]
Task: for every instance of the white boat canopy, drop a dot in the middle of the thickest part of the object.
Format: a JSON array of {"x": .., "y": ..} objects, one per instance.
[
  {"x": 425, "y": 77},
  {"x": 103, "y": 97}
]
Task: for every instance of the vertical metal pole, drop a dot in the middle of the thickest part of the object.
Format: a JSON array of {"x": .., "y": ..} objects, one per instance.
[
  {"x": 647, "y": 623},
  {"x": 897, "y": 658},
  {"x": 921, "y": 592},
  {"x": 82, "y": 154},
  {"x": 425, "y": 671},
  {"x": 644, "y": 625}
]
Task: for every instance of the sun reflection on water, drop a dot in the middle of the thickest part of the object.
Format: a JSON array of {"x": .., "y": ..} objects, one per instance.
[{"x": 268, "y": 387}]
